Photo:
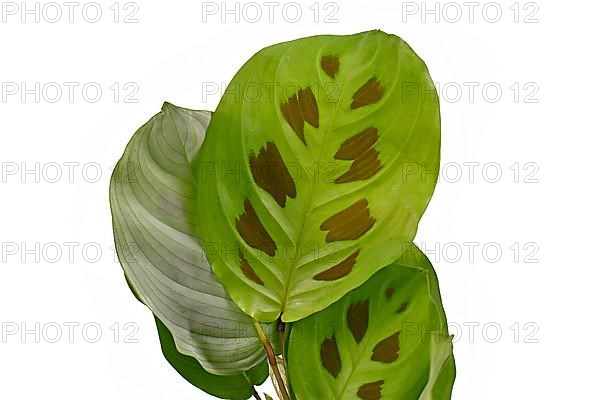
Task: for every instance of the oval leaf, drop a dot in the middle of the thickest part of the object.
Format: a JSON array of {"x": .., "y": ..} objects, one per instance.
[
  {"x": 155, "y": 223},
  {"x": 318, "y": 164},
  {"x": 388, "y": 339}
]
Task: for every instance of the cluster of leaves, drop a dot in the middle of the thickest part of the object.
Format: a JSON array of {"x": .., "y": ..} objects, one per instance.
[{"x": 275, "y": 234}]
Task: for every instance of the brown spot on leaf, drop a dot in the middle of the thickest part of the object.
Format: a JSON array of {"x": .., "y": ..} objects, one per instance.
[
  {"x": 402, "y": 308},
  {"x": 249, "y": 271},
  {"x": 339, "y": 270},
  {"x": 369, "y": 93},
  {"x": 350, "y": 223},
  {"x": 271, "y": 174},
  {"x": 362, "y": 168},
  {"x": 389, "y": 293},
  {"x": 331, "y": 65},
  {"x": 386, "y": 351},
  {"x": 370, "y": 391},
  {"x": 308, "y": 104},
  {"x": 299, "y": 108},
  {"x": 253, "y": 231},
  {"x": 293, "y": 115},
  {"x": 330, "y": 356},
  {"x": 358, "y": 319},
  {"x": 360, "y": 149},
  {"x": 357, "y": 145}
]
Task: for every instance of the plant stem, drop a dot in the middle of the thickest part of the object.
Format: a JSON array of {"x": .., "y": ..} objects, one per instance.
[
  {"x": 254, "y": 393},
  {"x": 272, "y": 360},
  {"x": 281, "y": 330}
]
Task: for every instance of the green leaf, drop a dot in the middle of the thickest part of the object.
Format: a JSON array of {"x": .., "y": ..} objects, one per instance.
[
  {"x": 318, "y": 164},
  {"x": 234, "y": 387},
  {"x": 388, "y": 339},
  {"x": 155, "y": 224},
  {"x": 239, "y": 386},
  {"x": 442, "y": 388}
]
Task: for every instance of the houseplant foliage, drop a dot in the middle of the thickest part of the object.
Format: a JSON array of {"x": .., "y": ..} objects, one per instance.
[
  {"x": 152, "y": 196},
  {"x": 276, "y": 233},
  {"x": 386, "y": 339},
  {"x": 308, "y": 178},
  {"x": 237, "y": 386}
]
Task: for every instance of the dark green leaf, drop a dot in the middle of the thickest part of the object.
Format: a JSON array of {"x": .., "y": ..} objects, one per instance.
[{"x": 234, "y": 387}]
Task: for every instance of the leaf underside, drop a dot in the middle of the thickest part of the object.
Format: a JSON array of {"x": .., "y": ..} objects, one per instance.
[
  {"x": 317, "y": 166},
  {"x": 387, "y": 339},
  {"x": 155, "y": 224},
  {"x": 234, "y": 387}
]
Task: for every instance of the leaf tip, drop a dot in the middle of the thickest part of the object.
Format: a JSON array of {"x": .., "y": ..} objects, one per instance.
[{"x": 166, "y": 105}]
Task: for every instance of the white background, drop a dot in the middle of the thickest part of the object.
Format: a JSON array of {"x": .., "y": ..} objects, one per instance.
[{"x": 176, "y": 52}]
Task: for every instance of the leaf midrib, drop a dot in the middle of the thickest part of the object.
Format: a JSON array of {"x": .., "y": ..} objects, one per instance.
[
  {"x": 309, "y": 203},
  {"x": 356, "y": 361}
]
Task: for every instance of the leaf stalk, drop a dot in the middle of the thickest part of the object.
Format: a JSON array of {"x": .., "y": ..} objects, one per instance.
[{"x": 272, "y": 360}]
